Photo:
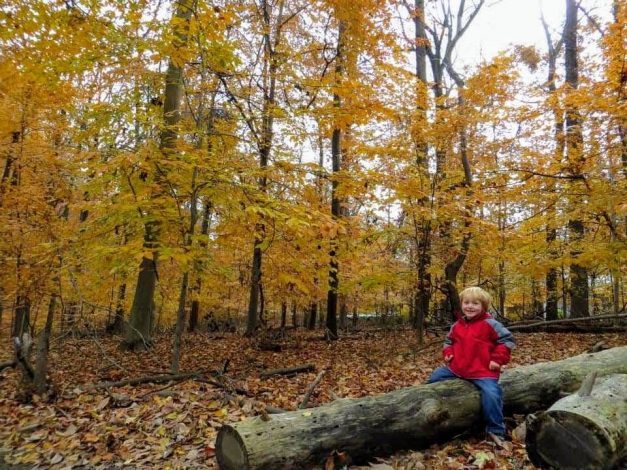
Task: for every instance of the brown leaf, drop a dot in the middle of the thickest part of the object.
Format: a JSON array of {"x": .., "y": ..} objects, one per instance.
[
  {"x": 70, "y": 430},
  {"x": 103, "y": 403}
]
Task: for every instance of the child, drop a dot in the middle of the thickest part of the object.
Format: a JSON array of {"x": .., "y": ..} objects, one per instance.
[{"x": 475, "y": 349}]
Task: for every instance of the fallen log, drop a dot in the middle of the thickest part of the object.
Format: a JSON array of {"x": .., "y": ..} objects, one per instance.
[
  {"x": 156, "y": 379},
  {"x": 288, "y": 370},
  {"x": 585, "y": 430},
  {"x": 540, "y": 324},
  {"x": 407, "y": 418}
]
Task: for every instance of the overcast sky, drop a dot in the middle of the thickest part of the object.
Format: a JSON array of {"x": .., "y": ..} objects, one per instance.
[{"x": 506, "y": 22}]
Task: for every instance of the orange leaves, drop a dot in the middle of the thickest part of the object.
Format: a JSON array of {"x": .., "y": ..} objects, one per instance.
[{"x": 178, "y": 425}]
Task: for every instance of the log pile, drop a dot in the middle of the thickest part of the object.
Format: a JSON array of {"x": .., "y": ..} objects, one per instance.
[{"x": 407, "y": 418}]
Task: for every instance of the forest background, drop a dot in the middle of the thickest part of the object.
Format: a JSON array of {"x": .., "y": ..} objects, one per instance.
[
  {"x": 249, "y": 162},
  {"x": 319, "y": 158},
  {"x": 170, "y": 168}
]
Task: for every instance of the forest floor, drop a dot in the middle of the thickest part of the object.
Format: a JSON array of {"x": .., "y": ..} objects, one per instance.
[{"x": 174, "y": 425}]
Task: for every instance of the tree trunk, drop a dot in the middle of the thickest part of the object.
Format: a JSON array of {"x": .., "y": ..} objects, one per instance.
[
  {"x": 195, "y": 308},
  {"x": 21, "y": 321},
  {"x": 43, "y": 345},
  {"x": 294, "y": 318},
  {"x": 180, "y": 325},
  {"x": 270, "y": 67},
  {"x": 422, "y": 228},
  {"x": 336, "y": 212},
  {"x": 313, "y": 313},
  {"x": 283, "y": 315},
  {"x": 558, "y": 132},
  {"x": 118, "y": 320},
  {"x": 138, "y": 332},
  {"x": 575, "y": 160},
  {"x": 586, "y": 430},
  {"x": 409, "y": 417},
  {"x": 255, "y": 281},
  {"x": 204, "y": 231}
]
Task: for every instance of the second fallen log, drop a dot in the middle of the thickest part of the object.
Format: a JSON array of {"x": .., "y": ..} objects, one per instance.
[
  {"x": 406, "y": 418},
  {"x": 586, "y": 430}
]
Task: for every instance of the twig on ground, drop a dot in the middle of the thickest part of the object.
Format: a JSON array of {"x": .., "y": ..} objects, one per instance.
[
  {"x": 288, "y": 370},
  {"x": 311, "y": 388}
]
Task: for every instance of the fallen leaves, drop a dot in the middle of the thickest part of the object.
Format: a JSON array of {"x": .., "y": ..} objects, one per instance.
[{"x": 142, "y": 427}]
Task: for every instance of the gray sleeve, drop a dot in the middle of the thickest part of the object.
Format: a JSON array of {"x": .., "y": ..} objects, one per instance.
[{"x": 504, "y": 336}]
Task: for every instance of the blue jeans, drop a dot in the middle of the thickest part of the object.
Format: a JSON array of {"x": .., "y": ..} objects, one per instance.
[{"x": 491, "y": 398}]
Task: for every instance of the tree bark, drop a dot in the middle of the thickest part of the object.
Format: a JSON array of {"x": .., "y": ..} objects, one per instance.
[
  {"x": 118, "y": 320},
  {"x": 422, "y": 228},
  {"x": 180, "y": 325},
  {"x": 21, "y": 322},
  {"x": 283, "y": 315},
  {"x": 137, "y": 333},
  {"x": 43, "y": 346},
  {"x": 204, "y": 231},
  {"x": 313, "y": 313},
  {"x": 558, "y": 132},
  {"x": 575, "y": 158},
  {"x": 409, "y": 417},
  {"x": 271, "y": 68},
  {"x": 586, "y": 430},
  {"x": 336, "y": 212}
]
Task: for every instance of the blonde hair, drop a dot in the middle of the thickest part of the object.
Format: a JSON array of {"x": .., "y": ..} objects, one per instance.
[{"x": 476, "y": 293}]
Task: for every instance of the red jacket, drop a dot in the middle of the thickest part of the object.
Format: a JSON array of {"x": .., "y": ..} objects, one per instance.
[{"x": 474, "y": 343}]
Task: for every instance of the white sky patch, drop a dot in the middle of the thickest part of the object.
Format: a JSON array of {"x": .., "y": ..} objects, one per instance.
[{"x": 504, "y": 23}]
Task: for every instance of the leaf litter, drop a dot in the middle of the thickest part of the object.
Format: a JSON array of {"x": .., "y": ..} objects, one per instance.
[{"x": 152, "y": 426}]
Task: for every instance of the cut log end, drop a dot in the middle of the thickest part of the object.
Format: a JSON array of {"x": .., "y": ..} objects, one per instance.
[
  {"x": 568, "y": 441},
  {"x": 230, "y": 450}
]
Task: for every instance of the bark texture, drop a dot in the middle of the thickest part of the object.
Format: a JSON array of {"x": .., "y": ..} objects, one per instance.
[
  {"x": 582, "y": 431},
  {"x": 409, "y": 417}
]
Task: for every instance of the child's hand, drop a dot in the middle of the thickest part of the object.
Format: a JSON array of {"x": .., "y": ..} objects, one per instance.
[
  {"x": 494, "y": 366},
  {"x": 448, "y": 358}
]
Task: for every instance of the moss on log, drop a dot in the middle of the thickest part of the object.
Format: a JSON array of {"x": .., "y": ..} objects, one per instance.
[
  {"x": 407, "y": 418},
  {"x": 583, "y": 430}
]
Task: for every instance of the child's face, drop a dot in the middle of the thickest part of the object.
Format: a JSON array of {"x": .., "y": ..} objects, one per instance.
[{"x": 471, "y": 307}]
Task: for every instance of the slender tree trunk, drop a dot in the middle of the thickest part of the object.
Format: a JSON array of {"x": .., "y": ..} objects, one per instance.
[
  {"x": 138, "y": 331},
  {"x": 118, "y": 320},
  {"x": 452, "y": 267},
  {"x": 294, "y": 318},
  {"x": 423, "y": 229},
  {"x": 204, "y": 231},
  {"x": 551, "y": 230},
  {"x": 283, "y": 315},
  {"x": 336, "y": 156},
  {"x": 574, "y": 151},
  {"x": 43, "y": 346},
  {"x": 271, "y": 66},
  {"x": 313, "y": 313},
  {"x": 180, "y": 324},
  {"x": 21, "y": 320}
]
